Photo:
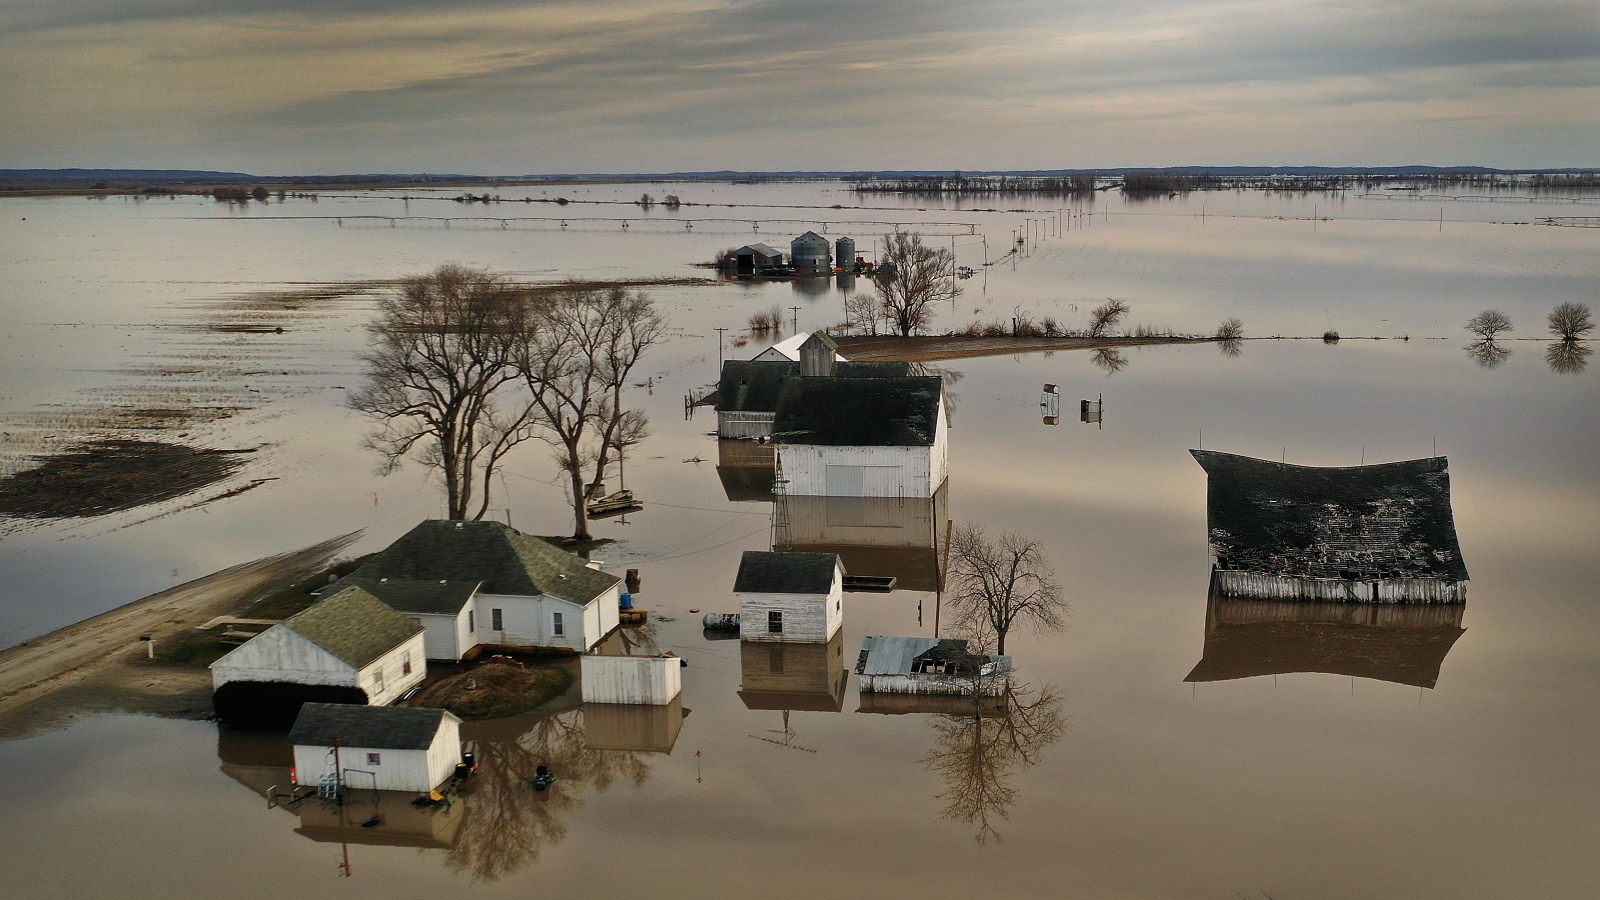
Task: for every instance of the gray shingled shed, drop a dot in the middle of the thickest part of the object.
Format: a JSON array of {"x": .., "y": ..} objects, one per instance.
[{"x": 389, "y": 748}]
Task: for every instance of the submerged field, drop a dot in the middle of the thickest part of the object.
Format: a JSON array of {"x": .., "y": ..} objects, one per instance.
[{"x": 1256, "y": 782}]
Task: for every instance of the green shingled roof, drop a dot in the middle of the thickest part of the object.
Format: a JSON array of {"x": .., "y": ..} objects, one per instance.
[
  {"x": 859, "y": 412},
  {"x": 354, "y": 626},
  {"x": 504, "y": 560},
  {"x": 762, "y": 572},
  {"x": 439, "y": 597}
]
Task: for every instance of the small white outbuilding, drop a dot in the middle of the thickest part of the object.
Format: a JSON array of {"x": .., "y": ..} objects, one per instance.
[
  {"x": 645, "y": 680},
  {"x": 795, "y": 597},
  {"x": 388, "y": 748}
]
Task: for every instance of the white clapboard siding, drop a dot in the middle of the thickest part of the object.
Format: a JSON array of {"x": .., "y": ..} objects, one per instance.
[
  {"x": 395, "y": 680},
  {"x": 807, "y": 618},
  {"x": 737, "y": 425},
  {"x": 441, "y": 635},
  {"x": 652, "y": 680},
  {"x": 279, "y": 654}
]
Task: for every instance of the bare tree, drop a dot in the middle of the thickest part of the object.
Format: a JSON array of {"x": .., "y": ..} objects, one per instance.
[
  {"x": 439, "y": 371},
  {"x": 1230, "y": 330},
  {"x": 910, "y": 279},
  {"x": 1106, "y": 316},
  {"x": 576, "y": 366},
  {"x": 1488, "y": 354},
  {"x": 977, "y": 754},
  {"x": 1489, "y": 323},
  {"x": 1571, "y": 321},
  {"x": 863, "y": 311},
  {"x": 997, "y": 583}
]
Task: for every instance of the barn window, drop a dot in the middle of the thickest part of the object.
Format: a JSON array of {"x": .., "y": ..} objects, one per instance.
[
  {"x": 377, "y": 681},
  {"x": 558, "y": 627},
  {"x": 496, "y": 622},
  {"x": 774, "y": 621},
  {"x": 405, "y": 663},
  {"x": 374, "y": 759}
]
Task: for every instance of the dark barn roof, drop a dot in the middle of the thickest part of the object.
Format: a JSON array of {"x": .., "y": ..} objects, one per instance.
[
  {"x": 875, "y": 369},
  {"x": 751, "y": 386},
  {"x": 505, "y": 560},
  {"x": 379, "y": 727},
  {"x": 353, "y": 625},
  {"x": 418, "y": 598},
  {"x": 1398, "y": 643},
  {"x": 763, "y": 572},
  {"x": 1353, "y": 523},
  {"x": 859, "y": 412}
]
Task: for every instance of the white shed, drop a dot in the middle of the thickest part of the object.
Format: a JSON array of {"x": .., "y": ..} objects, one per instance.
[
  {"x": 862, "y": 437},
  {"x": 793, "y": 597},
  {"x": 646, "y": 680},
  {"x": 350, "y": 639},
  {"x": 487, "y": 583},
  {"x": 391, "y": 749},
  {"x": 787, "y": 349}
]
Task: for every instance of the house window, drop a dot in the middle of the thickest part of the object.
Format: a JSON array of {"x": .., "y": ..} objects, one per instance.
[
  {"x": 557, "y": 626},
  {"x": 377, "y": 681},
  {"x": 774, "y": 621},
  {"x": 374, "y": 759},
  {"x": 405, "y": 663},
  {"x": 775, "y": 661},
  {"x": 472, "y": 624},
  {"x": 496, "y": 623}
]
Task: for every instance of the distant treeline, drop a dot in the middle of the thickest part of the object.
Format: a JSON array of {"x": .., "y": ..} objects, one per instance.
[
  {"x": 1167, "y": 182},
  {"x": 959, "y": 185}
]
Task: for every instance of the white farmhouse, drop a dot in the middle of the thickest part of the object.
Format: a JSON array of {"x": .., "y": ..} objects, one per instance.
[
  {"x": 393, "y": 749},
  {"x": 844, "y": 436},
  {"x": 791, "y": 597},
  {"x": 472, "y": 583},
  {"x": 348, "y": 640}
]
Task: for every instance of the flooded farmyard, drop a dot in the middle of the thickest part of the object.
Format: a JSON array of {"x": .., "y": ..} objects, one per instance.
[{"x": 1159, "y": 731}]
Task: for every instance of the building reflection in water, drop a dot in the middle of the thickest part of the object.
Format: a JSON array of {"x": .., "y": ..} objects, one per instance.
[
  {"x": 746, "y": 469},
  {"x": 497, "y": 824},
  {"x": 904, "y": 538},
  {"x": 1403, "y": 643},
  {"x": 792, "y": 676}
]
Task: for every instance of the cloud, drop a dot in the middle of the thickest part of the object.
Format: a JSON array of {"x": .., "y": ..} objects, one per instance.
[{"x": 292, "y": 85}]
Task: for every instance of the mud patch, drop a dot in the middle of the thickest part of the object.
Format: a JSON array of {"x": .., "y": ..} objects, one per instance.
[{"x": 111, "y": 476}]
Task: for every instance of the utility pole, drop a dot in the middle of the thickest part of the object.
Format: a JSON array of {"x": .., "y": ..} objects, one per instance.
[
  {"x": 719, "y": 351},
  {"x": 795, "y": 320}
]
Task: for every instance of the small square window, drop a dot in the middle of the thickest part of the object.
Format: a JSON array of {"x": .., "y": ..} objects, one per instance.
[
  {"x": 374, "y": 759},
  {"x": 774, "y": 621},
  {"x": 560, "y": 627}
]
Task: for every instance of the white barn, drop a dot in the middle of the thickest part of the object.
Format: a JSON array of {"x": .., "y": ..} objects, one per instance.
[
  {"x": 844, "y": 436},
  {"x": 791, "y": 597},
  {"x": 390, "y": 749},
  {"x": 349, "y": 639},
  {"x": 472, "y": 583}
]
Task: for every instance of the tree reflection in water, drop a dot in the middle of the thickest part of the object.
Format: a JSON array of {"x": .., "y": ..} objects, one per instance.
[
  {"x": 1567, "y": 357},
  {"x": 505, "y": 822},
  {"x": 1231, "y": 347},
  {"x": 1488, "y": 354},
  {"x": 1110, "y": 359},
  {"x": 978, "y": 753}
]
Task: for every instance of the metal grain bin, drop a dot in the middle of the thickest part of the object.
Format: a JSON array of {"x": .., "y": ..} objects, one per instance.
[
  {"x": 810, "y": 253},
  {"x": 844, "y": 250}
]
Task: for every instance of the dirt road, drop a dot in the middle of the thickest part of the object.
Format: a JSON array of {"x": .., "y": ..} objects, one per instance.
[{"x": 105, "y": 653}]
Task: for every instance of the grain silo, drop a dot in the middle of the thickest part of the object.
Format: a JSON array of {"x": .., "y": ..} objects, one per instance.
[
  {"x": 844, "y": 250},
  {"x": 809, "y": 253}
]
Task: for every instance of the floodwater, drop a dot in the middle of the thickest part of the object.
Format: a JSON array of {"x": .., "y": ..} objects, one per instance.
[{"x": 1127, "y": 781}]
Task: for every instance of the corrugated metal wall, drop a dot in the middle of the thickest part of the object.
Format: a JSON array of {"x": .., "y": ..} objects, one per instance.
[{"x": 651, "y": 680}]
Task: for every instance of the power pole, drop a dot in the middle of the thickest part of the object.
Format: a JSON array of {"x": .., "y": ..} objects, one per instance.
[
  {"x": 719, "y": 351},
  {"x": 796, "y": 319}
]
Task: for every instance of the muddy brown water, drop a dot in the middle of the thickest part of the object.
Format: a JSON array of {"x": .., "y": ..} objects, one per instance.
[{"x": 1280, "y": 782}]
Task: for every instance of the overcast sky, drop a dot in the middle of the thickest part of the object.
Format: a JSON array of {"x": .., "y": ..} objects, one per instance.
[{"x": 335, "y": 86}]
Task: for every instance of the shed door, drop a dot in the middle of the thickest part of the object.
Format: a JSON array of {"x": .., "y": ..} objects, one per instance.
[
  {"x": 880, "y": 481},
  {"x": 844, "y": 481}
]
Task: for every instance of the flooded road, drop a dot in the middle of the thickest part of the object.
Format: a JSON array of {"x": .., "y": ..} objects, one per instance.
[{"x": 1301, "y": 765}]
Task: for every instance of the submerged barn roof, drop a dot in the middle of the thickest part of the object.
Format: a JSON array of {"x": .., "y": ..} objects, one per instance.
[
  {"x": 378, "y": 727},
  {"x": 504, "y": 560},
  {"x": 1395, "y": 642},
  {"x": 762, "y": 572},
  {"x": 882, "y": 655},
  {"x": 353, "y": 625},
  {"x": 419, "y": 597},
  {"x": 859, "y": 412},
  {"x": 749, "y": 385},
  {"x": 1353, "y": 523}
]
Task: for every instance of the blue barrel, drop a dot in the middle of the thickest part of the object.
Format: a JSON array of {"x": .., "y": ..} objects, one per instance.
[{"x": 627, "y": 600}]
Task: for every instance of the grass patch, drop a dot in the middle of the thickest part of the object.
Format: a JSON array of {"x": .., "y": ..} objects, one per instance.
[
  {"x": 285, "y": 602},
  {"x": 495, "y": 689},
  {"x": 193, "y": 648}
]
